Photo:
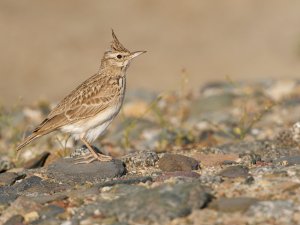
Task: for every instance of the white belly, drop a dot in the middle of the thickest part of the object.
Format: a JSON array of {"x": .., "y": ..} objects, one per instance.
[{"x": 92, "y": 127}]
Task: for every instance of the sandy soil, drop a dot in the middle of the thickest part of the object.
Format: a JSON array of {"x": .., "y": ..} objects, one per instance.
[{"x": 49, "y": 47}]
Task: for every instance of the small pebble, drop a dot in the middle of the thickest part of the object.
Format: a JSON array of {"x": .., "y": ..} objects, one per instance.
[{"x": 176, "y": 162}]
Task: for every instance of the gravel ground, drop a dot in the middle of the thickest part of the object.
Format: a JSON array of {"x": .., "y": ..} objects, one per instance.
[{"x": 225, "y": 154}]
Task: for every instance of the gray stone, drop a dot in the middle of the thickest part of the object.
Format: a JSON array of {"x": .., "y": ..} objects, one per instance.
[
  {"x": 186, "y": 174},
  {"x": 233, "y": 204},
  {"x": 50, "y": 211},
  {"x": 272, "y": 209},
  {"x": 7, "y": 196},
  {"x": 15, "y": 220},
  {"x": 288, "y": 160},
  {"x": 133, "y": 180},
  {"x": 176, "y": 162},
  {"x": 235, "y": 171},
  {"x": 9, "y": 178},
  {"x": 158, "y": 205},
  {"x": 65, "y": 170}
]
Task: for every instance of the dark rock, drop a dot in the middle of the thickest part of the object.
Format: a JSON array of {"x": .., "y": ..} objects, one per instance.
[
  {"x": 28, "y": 183},
  {"x": 158, "y": 205},
  {"x": 7, "y": 195},
  {"x": 141, "y": 159},
  {"x": 42, "y": 199},
  {"x": 288, "y": 161},
  {"x": 50, "y": 211},
  {"x": 9, "y": 178},
  {"x": 176, "y": 162},
  {"x": 15, "y": 220},
  {"x": 168, "y": 175},
  {"x": 37, "y": 162},
  {"x": 134, "y": 180},
  {"x": 65, "y": 170},
  {"x": 235, "y": 171},
  {"x": 233, "y": 204},
  {"x": 28, "y": 186}
]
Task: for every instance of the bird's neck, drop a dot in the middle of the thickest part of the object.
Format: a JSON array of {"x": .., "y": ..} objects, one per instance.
[{"x": 113, "y": 70}]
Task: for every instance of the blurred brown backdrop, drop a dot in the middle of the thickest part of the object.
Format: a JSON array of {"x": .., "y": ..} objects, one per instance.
[{"x": 49, "y": 47}]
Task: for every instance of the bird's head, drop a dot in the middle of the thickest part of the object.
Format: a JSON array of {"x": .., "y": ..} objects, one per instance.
[{"x": 118, "y": 55}]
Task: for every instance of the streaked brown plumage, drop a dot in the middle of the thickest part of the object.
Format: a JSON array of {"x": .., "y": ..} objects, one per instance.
[{"x": 87, "y": 111}]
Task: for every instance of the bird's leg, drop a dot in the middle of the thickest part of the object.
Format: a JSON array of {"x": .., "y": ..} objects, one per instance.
[{"x": 96, "y": 155}]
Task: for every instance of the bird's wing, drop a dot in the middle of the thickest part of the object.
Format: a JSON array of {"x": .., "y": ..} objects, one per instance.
[{"x": 90, "y": 98}]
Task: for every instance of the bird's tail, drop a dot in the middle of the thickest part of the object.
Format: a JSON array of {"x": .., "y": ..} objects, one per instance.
[{"x": 27, "y": 140}]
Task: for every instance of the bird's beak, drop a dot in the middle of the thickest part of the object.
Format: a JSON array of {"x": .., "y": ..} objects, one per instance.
[{"x": 135, "y": 54}]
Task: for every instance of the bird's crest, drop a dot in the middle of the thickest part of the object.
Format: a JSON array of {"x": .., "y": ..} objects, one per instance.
[{"x": 116, "y": 44}]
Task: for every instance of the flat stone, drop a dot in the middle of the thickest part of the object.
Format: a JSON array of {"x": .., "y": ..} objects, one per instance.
[
  {"x": 215, "y": 159},
  {"x": 235, "y": 171},
  {"x": 288, "y": 160},
  {"x": 65, "y": 170},
  {"x": 176, "y": 162},
  {"x": 9, "y": 178},
  {"x": 233, "y": 204},
  {"x": 272, "y": 209},
  {"x": 153, "y": 206},
  {"x": 133, "y": 180},
  {"x": 7, "y": 196},
  {"x": 15, "y": 220},
  {"x": 168, "y": 175}
]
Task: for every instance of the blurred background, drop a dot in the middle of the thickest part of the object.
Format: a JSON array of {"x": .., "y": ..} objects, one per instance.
[{"x": 49, "y": 47}]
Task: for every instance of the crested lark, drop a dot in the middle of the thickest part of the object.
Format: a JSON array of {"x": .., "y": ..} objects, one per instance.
[{"x": 88, "y": 110}]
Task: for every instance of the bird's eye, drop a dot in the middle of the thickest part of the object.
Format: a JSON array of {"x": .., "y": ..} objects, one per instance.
[{"x": 119, "y": 56}]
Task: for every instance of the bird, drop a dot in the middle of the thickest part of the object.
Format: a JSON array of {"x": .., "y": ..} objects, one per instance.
[{"x": 90, "y": 108}]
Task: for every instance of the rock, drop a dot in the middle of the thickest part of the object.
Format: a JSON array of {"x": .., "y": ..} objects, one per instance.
[
  {"x": 233, "y": 204},
  {"x": 249, "y": 158},
  {"x": 5, "y": 165},
  {"x": 168, "y": 175},
  {"x": 215, "y": 159},
  {"x": 29, "y": 186},
  {"x": 156, "y": 206},
  {"x": 134, "y": 180},
  {"x": 176, "y": 162},
  {"x": 65, "y": 170},
  {"x": 288, "y": 161},
  {"x": 280, "y": 89},
  {"x": 50, "y": 211},
  {"x": 15, "y": 220},
  {"x": 31, "y": 216},
  {"x": 10, "y": 178},
  {"x": 296, "y": 132},
  {"x": 42, "y": 198},
  {"x": 37, "y": 162},
  {"x": 235, "y": 171},
  {"x": 211, "y": 103},
  {"x": 272, "y": 209},
  {"x": 140, "y": 159}
]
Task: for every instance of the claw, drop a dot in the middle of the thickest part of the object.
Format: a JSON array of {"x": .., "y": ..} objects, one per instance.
[{"x": 85, "y": 159}]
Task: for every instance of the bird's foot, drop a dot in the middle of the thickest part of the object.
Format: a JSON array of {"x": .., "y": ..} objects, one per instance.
[{"x": 92, "y": 157}]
